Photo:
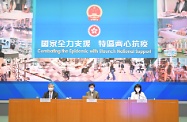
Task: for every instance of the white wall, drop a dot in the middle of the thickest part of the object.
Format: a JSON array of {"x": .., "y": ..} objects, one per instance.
[
  {"x": 160, "y": 7},
  {"x": 165, "y": 5},
  {"x": 170, "y": 5}
]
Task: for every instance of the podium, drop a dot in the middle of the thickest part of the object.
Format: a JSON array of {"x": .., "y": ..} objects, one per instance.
[{"x": 32, "y": 110}]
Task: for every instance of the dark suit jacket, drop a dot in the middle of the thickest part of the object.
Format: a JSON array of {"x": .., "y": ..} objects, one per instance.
[
  {"x": 55, "y": 95},
  {"x": 95, "y": 94},
  {"x": 183, "y": 9}
]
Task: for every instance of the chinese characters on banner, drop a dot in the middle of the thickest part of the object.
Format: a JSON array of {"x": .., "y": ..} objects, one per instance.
[
  {"x": 93, "y": 26},
  {"x": 86, "y": 43}
]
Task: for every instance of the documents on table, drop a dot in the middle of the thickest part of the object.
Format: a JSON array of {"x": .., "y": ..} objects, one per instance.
[
  {"x": 91, "y": 100},
  {"x": 142, "y": 101},
  {"x": 44, "y": 100}
]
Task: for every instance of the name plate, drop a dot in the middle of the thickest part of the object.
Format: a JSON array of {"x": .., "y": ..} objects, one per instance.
[
  {"x": 91, "y": 100},
  {"x": 142, "y": 101},
  {"x": 45, "y": 100}
]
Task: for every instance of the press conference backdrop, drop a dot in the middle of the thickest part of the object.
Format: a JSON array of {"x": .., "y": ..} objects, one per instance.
[
  {"x": 123, "y": 24},
  {"x": 95, "y": 29},
  {"x": 107, "y": 90}
]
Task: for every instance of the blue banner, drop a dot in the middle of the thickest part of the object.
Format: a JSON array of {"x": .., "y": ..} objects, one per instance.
[
  {"x": 77, "y": 29},
  {"x": 107, "y": 90}
]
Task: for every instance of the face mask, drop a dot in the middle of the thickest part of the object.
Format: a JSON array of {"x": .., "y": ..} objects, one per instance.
[
  {"x": 91, "y": 89},
  {"x": 138, "y": 90},
  {"x": 50, "y": 89}
]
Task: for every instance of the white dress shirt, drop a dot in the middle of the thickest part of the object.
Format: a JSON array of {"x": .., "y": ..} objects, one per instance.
[
  {"x": 181, "y": 5},
  {"x": 51, "y": 95},
  {"x": 135, "y": 96}
]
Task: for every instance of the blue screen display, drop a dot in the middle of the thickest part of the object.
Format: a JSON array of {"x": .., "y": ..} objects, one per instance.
[{"x": 74, "y": 28}]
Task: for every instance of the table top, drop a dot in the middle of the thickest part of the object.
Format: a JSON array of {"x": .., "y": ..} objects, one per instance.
[
  {"x": 16, "y": 14},
  {"x": 164, "y": 15},
  {"x": 171, "y": 34}
]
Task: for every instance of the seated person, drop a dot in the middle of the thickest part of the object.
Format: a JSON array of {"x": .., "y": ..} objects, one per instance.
[
  {"x": 181, "y": 6},
  {"x": 169, "y": 75},
  {"x": 2, "y": 8},
  {"x": 149, "y": 76},
  {"x": 51, "y": 93},
  {"x": 109, "y": 76},
  {"x": 12, "y": 5},
  {"x": 183, "y": 77},
  {"x": 26, "y": 3},
  {"x": 20, "y": 5},
  {"x": 137, "y": 94},
  {"x": 92, "y": 93},
  {"x": 182, "y": 32}
]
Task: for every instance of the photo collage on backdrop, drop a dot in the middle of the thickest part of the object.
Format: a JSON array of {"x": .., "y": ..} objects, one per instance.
[
  {"x": 171, "y": 65},
  {"x": 17, "y": 63}
]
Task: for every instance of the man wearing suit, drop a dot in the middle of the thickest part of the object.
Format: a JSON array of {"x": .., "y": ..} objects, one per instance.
[
  {"x": 20, "y": 5},
  {"x": 51, "y": 93},
  {"x": 181, "y": 6},
  {"x": 92, "y": 93}
]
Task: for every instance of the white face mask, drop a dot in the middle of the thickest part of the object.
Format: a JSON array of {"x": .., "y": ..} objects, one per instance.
[
  {"x": 50, "y": 89},
  {"x": 138, "y": 90},
  {"x": 91, "y": 89}
]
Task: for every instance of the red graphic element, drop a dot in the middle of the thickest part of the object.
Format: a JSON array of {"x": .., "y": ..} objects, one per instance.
[
  {"x": 94, "y": 30},
  {"x": 94, "y": 12}
]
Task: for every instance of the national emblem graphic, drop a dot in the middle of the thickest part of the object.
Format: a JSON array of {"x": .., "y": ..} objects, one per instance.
[
  {"x": 94, "y": 12},
  {"x": 94, "y": 30}
]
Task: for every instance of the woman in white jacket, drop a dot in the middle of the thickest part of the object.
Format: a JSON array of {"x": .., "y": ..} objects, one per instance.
[{"x": 137, "y": 94}]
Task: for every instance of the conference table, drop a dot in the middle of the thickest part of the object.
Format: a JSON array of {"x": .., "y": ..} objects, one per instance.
[
  {"x": 85, "y": 110},
  {"x": 171, "y": 35},
  {"x": 176, "y": 23},
  {"x": 16, "y": 14},
  {"x": 166, "y": 15}
]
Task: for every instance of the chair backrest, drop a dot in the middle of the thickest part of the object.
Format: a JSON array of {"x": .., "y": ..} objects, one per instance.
[{"x": 87, "y": 97}]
